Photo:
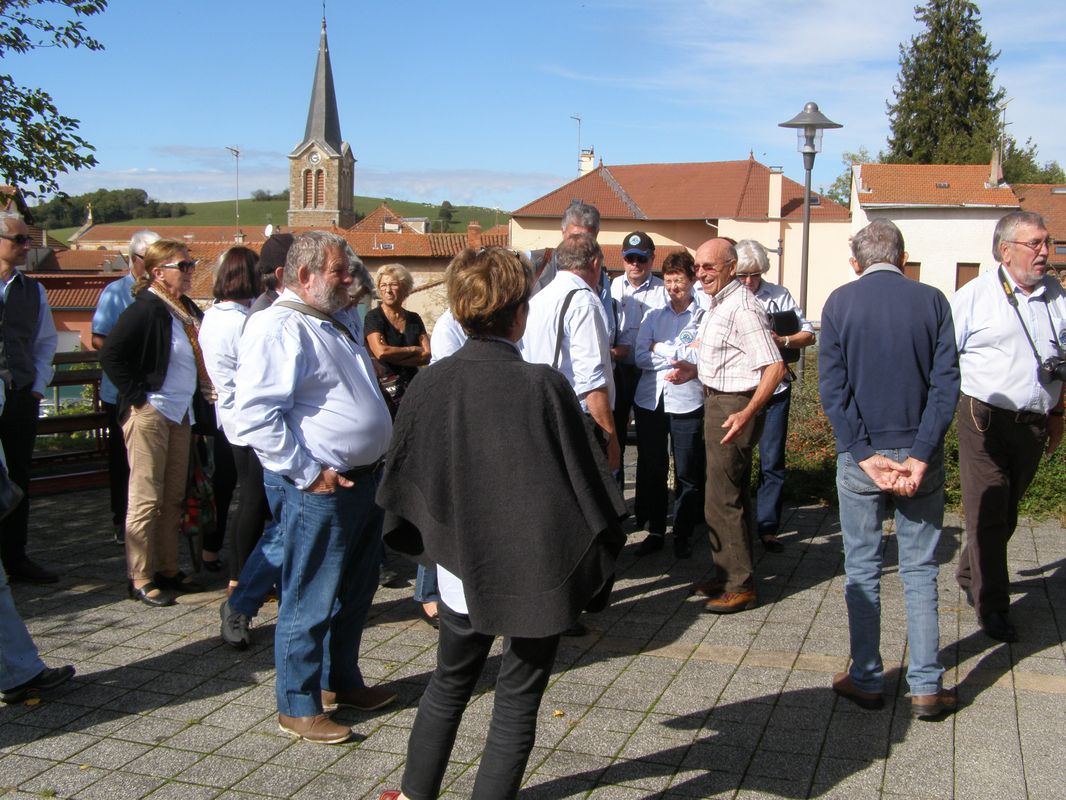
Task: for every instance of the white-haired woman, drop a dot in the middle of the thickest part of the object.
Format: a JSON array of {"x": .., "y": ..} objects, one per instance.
[
  {"x": 395, "y": 336},
  {"x": 752, "y": 264}
]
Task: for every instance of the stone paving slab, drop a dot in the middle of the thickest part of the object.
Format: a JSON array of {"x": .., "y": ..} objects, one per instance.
[{"x": 659, "y": 700}]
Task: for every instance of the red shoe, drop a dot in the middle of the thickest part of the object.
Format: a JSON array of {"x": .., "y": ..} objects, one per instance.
[{"x": 390, "y": 794}]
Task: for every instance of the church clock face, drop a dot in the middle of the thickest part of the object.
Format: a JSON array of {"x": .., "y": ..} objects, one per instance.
[{"x": 314, "y": 158}]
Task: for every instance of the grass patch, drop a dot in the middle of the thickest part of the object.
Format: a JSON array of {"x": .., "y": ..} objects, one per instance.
[{"x": 810, "y": 459}]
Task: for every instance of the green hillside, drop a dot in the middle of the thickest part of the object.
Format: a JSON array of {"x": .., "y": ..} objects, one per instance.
[{"x": 259, "y": 213}]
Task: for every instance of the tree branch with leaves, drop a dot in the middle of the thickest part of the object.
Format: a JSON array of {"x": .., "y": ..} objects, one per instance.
[{"x": 37, "y": 142}]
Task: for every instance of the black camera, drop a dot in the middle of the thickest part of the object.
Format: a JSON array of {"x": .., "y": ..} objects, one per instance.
[{"x": 1053, "y": 369}]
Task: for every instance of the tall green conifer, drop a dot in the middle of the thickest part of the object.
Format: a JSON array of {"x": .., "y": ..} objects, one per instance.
[{"x": 945, "y": 98}]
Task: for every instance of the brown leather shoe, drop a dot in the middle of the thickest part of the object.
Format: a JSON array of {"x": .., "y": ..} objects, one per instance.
[
  {"x": 319, "y": 729},
  {"x": 931, "y": 706},
  {"x": 711, "y": 588},
  {"x": 369, "y": 698},
  {"x": 871, "y": 701},
  {"x": 731, "y": 602}
]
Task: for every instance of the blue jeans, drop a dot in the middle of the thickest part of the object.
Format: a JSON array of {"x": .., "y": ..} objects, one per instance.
[
  {"x": 426, "y": 590},
  {"x": 328, "y": 578},
  {"x": 262, "y": 569},
  {"x": 19, "y": 661},
  {"x": 771, "y": 487},
  {"x": 919, "y": 520}
]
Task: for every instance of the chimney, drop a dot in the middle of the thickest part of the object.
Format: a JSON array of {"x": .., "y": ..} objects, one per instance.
[
  {"x": 773, "y": 205},
  {"x": 995, "y": 172},
  {"x": 473, "y": 235},
  {"x": 586, "y": 161},
  {"x": 238, "y": 237}
]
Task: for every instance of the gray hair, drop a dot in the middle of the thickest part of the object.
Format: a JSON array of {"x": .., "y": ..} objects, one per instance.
[
  {"x": 362, "y": 282},
  {"x": 880, "y": 242},
  {"x": 1007, "y": 225},
  {"x": 141, "y": 241},
  {"x": 578, "y": 253},
  {"x": 309, "y": 250},
  {"x": 6, "y": 218},
  {"x": 582, "y": 215},
  {"x": 752, "y": 254},
  {"x": 400, "y": 273}
]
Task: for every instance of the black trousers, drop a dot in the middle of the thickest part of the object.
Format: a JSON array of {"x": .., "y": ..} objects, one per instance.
[
  {"x": 18, "y": 431},
  {"x": 118, "y": 466},
  {"x": 461, "y": 655},
  {"x": 253, "y": 511},
  {"x": 998, "y": 457},
  {"x": 626, "y": 378},
  {"x": 223, "y": 482}
]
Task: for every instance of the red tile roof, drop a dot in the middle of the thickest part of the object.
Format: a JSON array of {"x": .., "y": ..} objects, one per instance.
[
  {"x": 74, "y": 292},
  {"x": 702, "y": 190},
  {"x": 931, "y": 185},
  {"x": 192, "y": 233},
  {"x": 1048, "y": 200},
  {"x": 86, "y": 260},
  {"x": 375, "y": 221}
]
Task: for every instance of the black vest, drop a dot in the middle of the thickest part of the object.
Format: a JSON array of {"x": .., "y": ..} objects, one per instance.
[{"x": 19, "y": 316}]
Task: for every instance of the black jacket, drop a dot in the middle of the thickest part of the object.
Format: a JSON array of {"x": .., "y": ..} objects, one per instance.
[
  {"x": 136, "y": 353},
  {"x": 494, "y": 473}
]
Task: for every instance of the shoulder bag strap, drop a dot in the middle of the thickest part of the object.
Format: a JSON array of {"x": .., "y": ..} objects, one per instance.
[
  {"x": 559, "y": 331},
  {"x": 311, "y": 311}
]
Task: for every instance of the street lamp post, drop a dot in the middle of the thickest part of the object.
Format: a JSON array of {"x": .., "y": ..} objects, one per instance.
[
  {"x": 236, "y": 151},
  {"x": 809, "y": 125}
]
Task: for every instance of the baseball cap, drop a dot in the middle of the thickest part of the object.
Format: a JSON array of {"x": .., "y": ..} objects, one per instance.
[{"x": 638, "y": 242}]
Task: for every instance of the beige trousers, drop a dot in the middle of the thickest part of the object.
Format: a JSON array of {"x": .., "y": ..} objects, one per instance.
[{"x": 158, "y": 452}]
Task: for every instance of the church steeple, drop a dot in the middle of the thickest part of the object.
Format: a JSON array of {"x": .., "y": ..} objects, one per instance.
[
  {"x": 322, "y": 167},
  {"x": 323, "y": 121}
]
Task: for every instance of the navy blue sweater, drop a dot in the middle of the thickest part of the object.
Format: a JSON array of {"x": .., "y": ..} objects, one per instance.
[{"x": 888, "y": 366}]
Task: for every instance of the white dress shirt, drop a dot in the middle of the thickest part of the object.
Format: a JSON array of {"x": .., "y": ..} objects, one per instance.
[
  {"x": 672, "y": 334},
  {"x": 585, "y": 357},
  {"x": 776, "y": 298},
  {"x": 448, "y": 336},
  {"x": 174, "y": 398},
  {"x": 307, "y": 397},
  {"x": 634, "y": 302},
  {"x": 220, "y": 333},
  {"x": 997, "y": 364}
]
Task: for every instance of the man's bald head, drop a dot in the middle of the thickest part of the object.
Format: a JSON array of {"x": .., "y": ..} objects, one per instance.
[{"x": 716, "y": 264}]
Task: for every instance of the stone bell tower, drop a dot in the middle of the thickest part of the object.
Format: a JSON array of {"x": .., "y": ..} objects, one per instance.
[{"x": 322, "y": 167}]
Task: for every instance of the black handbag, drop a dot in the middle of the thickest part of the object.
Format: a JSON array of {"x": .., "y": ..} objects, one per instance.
[{"x": 786, "y": 323}]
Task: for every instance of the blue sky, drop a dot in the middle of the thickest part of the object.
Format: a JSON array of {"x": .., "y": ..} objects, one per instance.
[{"x": 472, "y": 101}]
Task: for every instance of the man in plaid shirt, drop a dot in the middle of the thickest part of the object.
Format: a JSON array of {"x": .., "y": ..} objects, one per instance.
[{"x": 739, "y": 367}]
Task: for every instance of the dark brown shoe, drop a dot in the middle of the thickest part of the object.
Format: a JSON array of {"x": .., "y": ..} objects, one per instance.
[
  {"x": 319, "y": 729},
  {"x": 731, "y": 602},
  {"x": 711, "y": 588},
  {"x": 932, "y": 706},
  {"x": 871, "y": 701},
  {"x": 369, "y": 698}
]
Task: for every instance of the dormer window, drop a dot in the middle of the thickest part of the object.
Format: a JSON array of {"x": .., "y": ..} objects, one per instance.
[{"x": 942, "y": 184}]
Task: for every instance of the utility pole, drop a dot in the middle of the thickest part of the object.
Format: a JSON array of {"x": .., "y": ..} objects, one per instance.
[{"x": 236, "y": 151}]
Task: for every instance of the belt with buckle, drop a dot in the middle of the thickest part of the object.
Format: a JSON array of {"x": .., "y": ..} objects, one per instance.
[
  {"x": 1020, "y": 417},
  {"x": 355, "y": 473}
]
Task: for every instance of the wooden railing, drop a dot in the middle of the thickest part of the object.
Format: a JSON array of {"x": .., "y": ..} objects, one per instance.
[{"x": 84, "y": 463}]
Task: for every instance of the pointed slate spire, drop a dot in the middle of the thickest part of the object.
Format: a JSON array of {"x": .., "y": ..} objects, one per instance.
[{"x": 323, "y": 122}]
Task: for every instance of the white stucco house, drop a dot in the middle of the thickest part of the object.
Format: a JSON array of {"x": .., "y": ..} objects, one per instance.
[{"x": 947, "y": 213}]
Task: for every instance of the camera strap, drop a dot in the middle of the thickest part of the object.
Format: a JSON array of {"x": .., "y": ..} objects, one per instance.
[{"x": 1009, "y": 291}]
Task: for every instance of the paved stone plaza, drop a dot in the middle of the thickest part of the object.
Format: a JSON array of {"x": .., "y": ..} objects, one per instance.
[{"x": 660, "y": 700}]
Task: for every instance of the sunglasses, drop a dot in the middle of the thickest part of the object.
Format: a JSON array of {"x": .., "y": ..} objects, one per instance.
[
  {"x": 184, "y": 266},
  {"x": 635, "y": 258},
  {"x": 18, "y": 238}
]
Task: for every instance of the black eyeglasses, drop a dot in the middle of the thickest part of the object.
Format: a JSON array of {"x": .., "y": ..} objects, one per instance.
[
  {"x": 184, "y": 266},
  {"x": 18, "y": 238},
  {"x": 635, "y": 258}
]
